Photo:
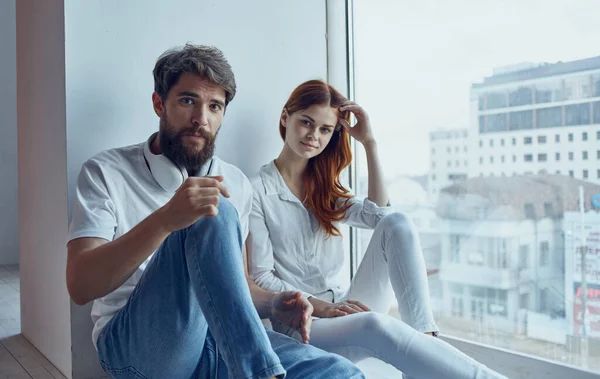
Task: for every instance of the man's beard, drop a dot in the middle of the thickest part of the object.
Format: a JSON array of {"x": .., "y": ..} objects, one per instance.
[{"x": 171, "y": 146}]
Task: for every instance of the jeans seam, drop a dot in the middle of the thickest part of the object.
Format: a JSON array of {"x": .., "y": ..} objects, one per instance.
[{"x": 407, "y": 291}]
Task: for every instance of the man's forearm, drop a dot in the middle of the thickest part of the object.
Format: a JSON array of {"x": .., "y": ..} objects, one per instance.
[
  {"x": 98, "y": 271},
  {"x": 263, "y": 299}
]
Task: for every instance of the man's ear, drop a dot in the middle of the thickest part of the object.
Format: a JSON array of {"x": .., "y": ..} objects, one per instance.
[
  {"x": 158, "y": 104},
  {"x": 284, "y": 117}
]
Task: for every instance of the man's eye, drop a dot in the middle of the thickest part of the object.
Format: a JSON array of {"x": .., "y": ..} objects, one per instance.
[
  {"x": 187, "y": 101},
  {"x": 216, "y": 107}
]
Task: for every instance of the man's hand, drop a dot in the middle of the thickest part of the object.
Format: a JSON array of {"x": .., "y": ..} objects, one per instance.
[
  {"x": 291, "y": 309},
  {"x": 324, "y": 309},
  {"x": 195, "y": 198}
]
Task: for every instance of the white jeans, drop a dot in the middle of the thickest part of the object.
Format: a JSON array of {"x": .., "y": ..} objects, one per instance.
[{"x": 393, "y": 260}]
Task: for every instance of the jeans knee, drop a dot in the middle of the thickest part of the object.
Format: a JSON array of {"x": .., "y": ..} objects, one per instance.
[
  {"x": 373, "y": 323},
  {"x": 226, "y": 218}
]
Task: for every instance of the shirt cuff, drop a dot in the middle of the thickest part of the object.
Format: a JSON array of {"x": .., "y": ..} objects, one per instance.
[{"x": 372, "y": 208}]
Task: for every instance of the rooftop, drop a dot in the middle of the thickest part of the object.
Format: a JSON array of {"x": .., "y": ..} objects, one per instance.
[{"x": 541, "y": 71}]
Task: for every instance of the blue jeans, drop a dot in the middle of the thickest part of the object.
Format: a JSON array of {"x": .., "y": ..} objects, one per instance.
[{"x": 191, "y": 316}]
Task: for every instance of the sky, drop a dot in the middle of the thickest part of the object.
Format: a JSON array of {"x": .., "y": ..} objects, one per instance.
[{"x": 415, "y": 60}]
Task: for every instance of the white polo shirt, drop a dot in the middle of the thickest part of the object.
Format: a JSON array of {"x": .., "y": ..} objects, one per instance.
[{"x": 115, "y": 191}]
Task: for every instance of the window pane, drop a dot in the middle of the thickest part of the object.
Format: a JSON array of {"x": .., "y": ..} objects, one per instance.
[
  {"x": 503, "y": 226},
  {"x": 578, "y": 114},
  {"x": 549, "y": 117}
]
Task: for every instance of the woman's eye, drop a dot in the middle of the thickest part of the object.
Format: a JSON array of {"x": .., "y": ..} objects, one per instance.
[
  {"x": 326, "y": 130},
  {"x": 306, "y": 122}
]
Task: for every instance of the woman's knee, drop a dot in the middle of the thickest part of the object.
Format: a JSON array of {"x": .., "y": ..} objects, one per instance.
[
  {"x": 398, "y": 223},
  {"x": 373, "y": 323}
]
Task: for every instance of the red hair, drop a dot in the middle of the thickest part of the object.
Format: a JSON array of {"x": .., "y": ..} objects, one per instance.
[{"x": 322, "y": 176}]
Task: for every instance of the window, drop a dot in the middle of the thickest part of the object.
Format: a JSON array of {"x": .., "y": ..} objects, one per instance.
[
  {"x": 548, "y": 209},
  {"x": 449, "y": 149},
  {"x": 432, "y": 151},
  {"x": 449, "y": 164},
  {"x": 520, "y": 96},
  {"x": 457, "y": 163},
  {"x": 585, "y": 174},
  {"x": 571, "y": 173},
  {"x": 433, "y": 177},
  {"x": 584, "y": 136},
  {"x": 456, "y": 149},
  {"x": 527, "y": 140},
  {"x": 570, "y": 155},
  {"x": 544, "y": 253},
  {"x": 543, "y": 308},
  {"x": 496, "y": 123},
  {"x": 598, "y": 154},
  {"x": 480, "y": 143},
  {"x": 521, "y": 120},
  {"x": 598, "y": 132},
  {"x": 570, "y": 137},
  {"x": 598, "y": 173},
  {"x": 596, "y": 106},
  {"x": 577, "y": 114},
  {"x": 584, "y": 155},
  {"x": 508, "y": 100},
  {"x": 549, "y": 117},
  {"x": 465, "y": 149},
  {"x": 529, "y": 210},
  {"x": 523, "y": 256},
  {"x": 491, "y": 159}
]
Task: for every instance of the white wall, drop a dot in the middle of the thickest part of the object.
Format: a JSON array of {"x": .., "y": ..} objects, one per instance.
[
  {"x": 111, "y": 49},
  {"x": 9, "y": 238},
  {"x": 45, "y": 315}
]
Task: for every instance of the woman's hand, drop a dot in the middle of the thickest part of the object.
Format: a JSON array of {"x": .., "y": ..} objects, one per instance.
[
  {"x": 361, "y": 131},
  {"x": 324, "y": 309}
]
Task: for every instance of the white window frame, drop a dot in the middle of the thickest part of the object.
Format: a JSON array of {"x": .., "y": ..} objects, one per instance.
[{"x": 340, "y": 73}]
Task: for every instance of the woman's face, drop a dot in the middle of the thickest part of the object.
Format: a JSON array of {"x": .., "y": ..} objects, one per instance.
[{"x": 307, "y": 132}]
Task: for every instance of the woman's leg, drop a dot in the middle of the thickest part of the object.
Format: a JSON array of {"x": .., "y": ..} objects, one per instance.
[
  {"x": 368, "y": 334},
  {"x": 394, "y": 256}
]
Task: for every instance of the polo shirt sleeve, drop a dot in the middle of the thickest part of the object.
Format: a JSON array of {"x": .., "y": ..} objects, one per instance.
[{"x": 94, "y": 212}]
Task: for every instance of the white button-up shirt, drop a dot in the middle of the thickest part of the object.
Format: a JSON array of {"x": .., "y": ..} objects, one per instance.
[{"x": 289, "y": 250}]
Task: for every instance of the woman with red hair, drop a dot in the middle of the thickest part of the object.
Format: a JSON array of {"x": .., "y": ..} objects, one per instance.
[{"x": 295, "y": 243}]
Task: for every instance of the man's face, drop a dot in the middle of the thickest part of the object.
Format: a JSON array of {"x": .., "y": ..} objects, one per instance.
[{"x": 190, "y": 117}]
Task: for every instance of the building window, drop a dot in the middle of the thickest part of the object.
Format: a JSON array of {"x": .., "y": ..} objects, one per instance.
[
  {"x": 514, "y": 158},
  {"x": 521, "y": 120},
  {"x": 480, "y": 160},
  {"x": 596, "y": 106},
  {"x": 570, "y": 137},
  {"x": 457, "y": 163},
  {"x": 584, "y": 155},
  {"x": 523, "y": 256},
  {"x": 544, "y": 253},
  {"x": 571, "y": 174},
  {"x": 528, "y": 158},
  {"x": 502, "y": 142},
  {"x": 557, "y": 138},
  {"x": 558, "y": 172},
  {"x": 465, "y": 163},
  {"x": 496, "y": 122},
  {"x": 598, "y": 173},
  {"x": 529, "y": 210},
  {"x": 524, "y": 301},
  {"x": 557, "y": 156},
  {"x": 585, "y": 174},
  {"x": 491, "y": 143},
  {"x": 598, "y": 154},
  {"x": 432, "y": 164},
  {"x": 527, "y": 140},
  {"x": 548, "y": 92},
  {"x": 481, "y": 124},
  {"x": 433, "y": 177},
  {"x": 514, "y": 140},
  {"x": 449, "y": 150},
  {"x": 543, "y": 300},
  {"x": 520, "y": 96},
  {"x": 449, "y": 164},
  {"x": 480, "y": 143},
  {"x": 465, "y": 149},
  {"x": 598, "y": 132},
  {"x": 548, "y": 210},
  {"x": 577, "y": 114},
  {"x": 456, "y": 149},
  {"x": 433, "y": 151},
  {"x": 584, "y": 136},
  {"x": 549, "y": 117},
  {"x": 541, "y": 139},
  {"x": 455, "y": 242},
  {"x": 570, "y": 155},
  {"x": 496, "y": 100},
  {"x": 502, "y": 158},
  {"x": 542, "y": 157}
]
